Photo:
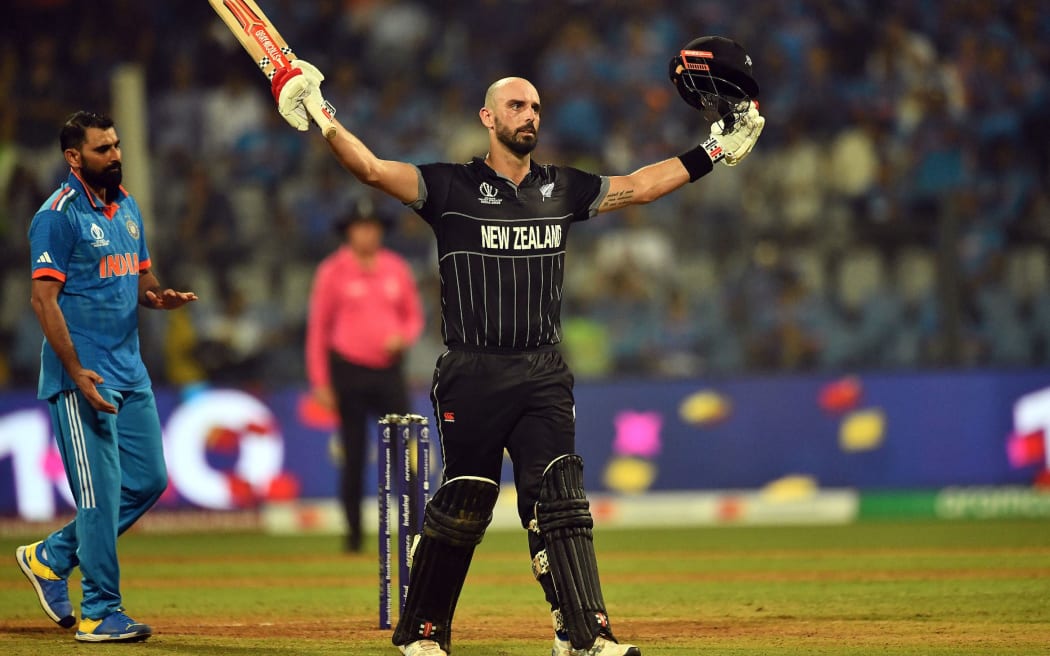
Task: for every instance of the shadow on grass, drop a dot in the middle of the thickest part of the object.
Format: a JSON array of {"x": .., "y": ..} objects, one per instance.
[
  {"x": 160, "y": 645},
  {"x": 33, "y": 632}
]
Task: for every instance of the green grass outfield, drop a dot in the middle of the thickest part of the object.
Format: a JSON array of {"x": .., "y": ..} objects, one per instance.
[{"x": 877, "y": 587}]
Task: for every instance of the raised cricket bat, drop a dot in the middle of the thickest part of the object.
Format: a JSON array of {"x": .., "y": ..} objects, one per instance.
[{"x": 259, "y": 37}]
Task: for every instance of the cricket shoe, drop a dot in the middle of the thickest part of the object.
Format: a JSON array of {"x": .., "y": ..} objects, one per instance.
[
  {"x": 422, "y": 648},
  {"x": 51, "y": 589},
  {"x": 601, "y": 647},
  {"x": 115, "y": 627}
]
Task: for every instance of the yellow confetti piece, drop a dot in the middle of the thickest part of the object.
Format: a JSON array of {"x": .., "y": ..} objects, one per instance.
[
  {"x": 629, "y": 475},
  {"x": 790, "y": 488},
  {"x": 704, "y": 407},
  {"x": 863, "y": 430}
]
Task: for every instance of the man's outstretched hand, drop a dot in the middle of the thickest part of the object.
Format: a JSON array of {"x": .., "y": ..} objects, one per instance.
[
  {"x": 297, "y": 91},
  {"x": 169, "y": 299},
  {"x": 737, "y": 144}
]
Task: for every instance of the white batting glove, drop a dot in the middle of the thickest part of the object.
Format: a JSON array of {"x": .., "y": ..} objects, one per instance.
[
  {"x": 737, "y": 144},
  {"x": 297, "y": 91}
]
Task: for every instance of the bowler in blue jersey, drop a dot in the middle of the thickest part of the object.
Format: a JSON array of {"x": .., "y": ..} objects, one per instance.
[{"x": 91, "y": 271}]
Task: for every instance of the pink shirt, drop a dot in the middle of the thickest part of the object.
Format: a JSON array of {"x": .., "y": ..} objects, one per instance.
[{"x": 354, "y": 311}]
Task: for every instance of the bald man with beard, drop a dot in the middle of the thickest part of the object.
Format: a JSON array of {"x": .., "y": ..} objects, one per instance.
[{"x": 502, "y": 222}]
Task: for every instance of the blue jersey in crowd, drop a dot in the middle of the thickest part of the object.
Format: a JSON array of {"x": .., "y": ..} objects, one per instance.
[{"x": 98, "y": 251}]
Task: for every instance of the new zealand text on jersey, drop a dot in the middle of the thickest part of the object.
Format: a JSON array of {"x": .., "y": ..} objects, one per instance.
[{"x": 521, "y": 238}]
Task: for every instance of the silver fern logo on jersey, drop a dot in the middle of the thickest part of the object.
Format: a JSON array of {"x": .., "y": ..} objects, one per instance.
[
  {"x": 546, "y": 191},
  {"x": 489, "y": 195}
]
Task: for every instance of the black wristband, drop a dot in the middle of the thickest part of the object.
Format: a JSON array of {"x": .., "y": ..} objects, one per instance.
[{"x": 701, "y": 160}]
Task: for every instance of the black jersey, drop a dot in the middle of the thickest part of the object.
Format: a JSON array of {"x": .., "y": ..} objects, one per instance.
[{"x": 501, "y": 248}]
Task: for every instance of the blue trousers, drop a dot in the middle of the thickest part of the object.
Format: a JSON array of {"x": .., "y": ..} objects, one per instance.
[{"x": 115, "y": 468}]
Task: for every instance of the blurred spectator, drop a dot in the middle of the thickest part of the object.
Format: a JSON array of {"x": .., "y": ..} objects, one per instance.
[
  {"x": 24, "y": 353},
  {"x": 42, "y": 87},
  {"x": 628, "y": 311},
  {"x": 674, "y": 348},
  {"x": 234, "y": 338},
  {"x": 396, "y": 34},
  {"x": 177, "y": 111},
  {"x": 577, "y": 72},
  {"x": 788, "y": 334},
  {"x": 180, "y": 348},
  {"x": 316, "y": 205},
  {"x": 918, "y": 130},
  {"x": 233, "y": 109},
  {"x": 206, "y": 219},
  {"x": 631, "y": 246},
  {"x": 267, "y": 154}
]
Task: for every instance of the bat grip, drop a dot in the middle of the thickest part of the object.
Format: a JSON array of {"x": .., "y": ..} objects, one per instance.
[{"x": 322, "y": 113}]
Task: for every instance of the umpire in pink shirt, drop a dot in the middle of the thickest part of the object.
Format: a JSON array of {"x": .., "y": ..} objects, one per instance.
[{"x": 364, "y": 314}]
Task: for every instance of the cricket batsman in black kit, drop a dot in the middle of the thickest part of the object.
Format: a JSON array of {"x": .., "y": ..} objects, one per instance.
[{"x": 501, "y": 223}]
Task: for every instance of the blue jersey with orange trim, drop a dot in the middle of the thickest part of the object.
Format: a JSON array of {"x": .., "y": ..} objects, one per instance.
[{"x": 97, "y": 251}]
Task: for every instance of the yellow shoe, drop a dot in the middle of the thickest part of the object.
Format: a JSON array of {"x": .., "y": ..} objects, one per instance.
[
  {"x": 115, "y": 627},
  {"x": 51, "y": 589}
]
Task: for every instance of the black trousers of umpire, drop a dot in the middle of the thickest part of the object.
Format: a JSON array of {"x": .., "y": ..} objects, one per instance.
[
  {"x": 486, "y": 402},
  {"x": 362, "y": 394}
]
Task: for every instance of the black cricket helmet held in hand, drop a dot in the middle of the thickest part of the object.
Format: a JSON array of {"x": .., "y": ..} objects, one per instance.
[{"x": 713, "y": 74}]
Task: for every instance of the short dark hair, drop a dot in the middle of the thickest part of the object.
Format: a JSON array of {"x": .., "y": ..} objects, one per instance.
[
  {"x": 346, "y": 220},
  {"x": 74, "y": 131}
]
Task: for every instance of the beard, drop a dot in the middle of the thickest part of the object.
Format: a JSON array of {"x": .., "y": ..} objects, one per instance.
[
  {"x": 108, "y": 178},
  {"x": 518, "y": 141}
]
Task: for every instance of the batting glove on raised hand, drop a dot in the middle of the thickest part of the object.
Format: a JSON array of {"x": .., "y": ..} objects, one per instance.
[
  {"x": 297, "y": 91},
  {"x": 735, "y": 145}
]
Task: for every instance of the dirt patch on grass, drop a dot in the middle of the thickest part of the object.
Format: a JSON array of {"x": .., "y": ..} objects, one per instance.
[
  {"x": 665, "y": 632},
  {"x": 749, "y": 576}
]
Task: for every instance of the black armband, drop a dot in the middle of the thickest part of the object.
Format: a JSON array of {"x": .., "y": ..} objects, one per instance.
[{"x": 701, "y": 160}]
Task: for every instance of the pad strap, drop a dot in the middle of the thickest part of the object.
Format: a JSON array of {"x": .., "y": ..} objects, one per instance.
[
  {"x": 454, "y": 523},
  {"x": 564, "y": 522}
]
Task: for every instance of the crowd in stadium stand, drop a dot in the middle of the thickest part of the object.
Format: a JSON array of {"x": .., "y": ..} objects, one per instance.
[{"x": 894, "y": 215}]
